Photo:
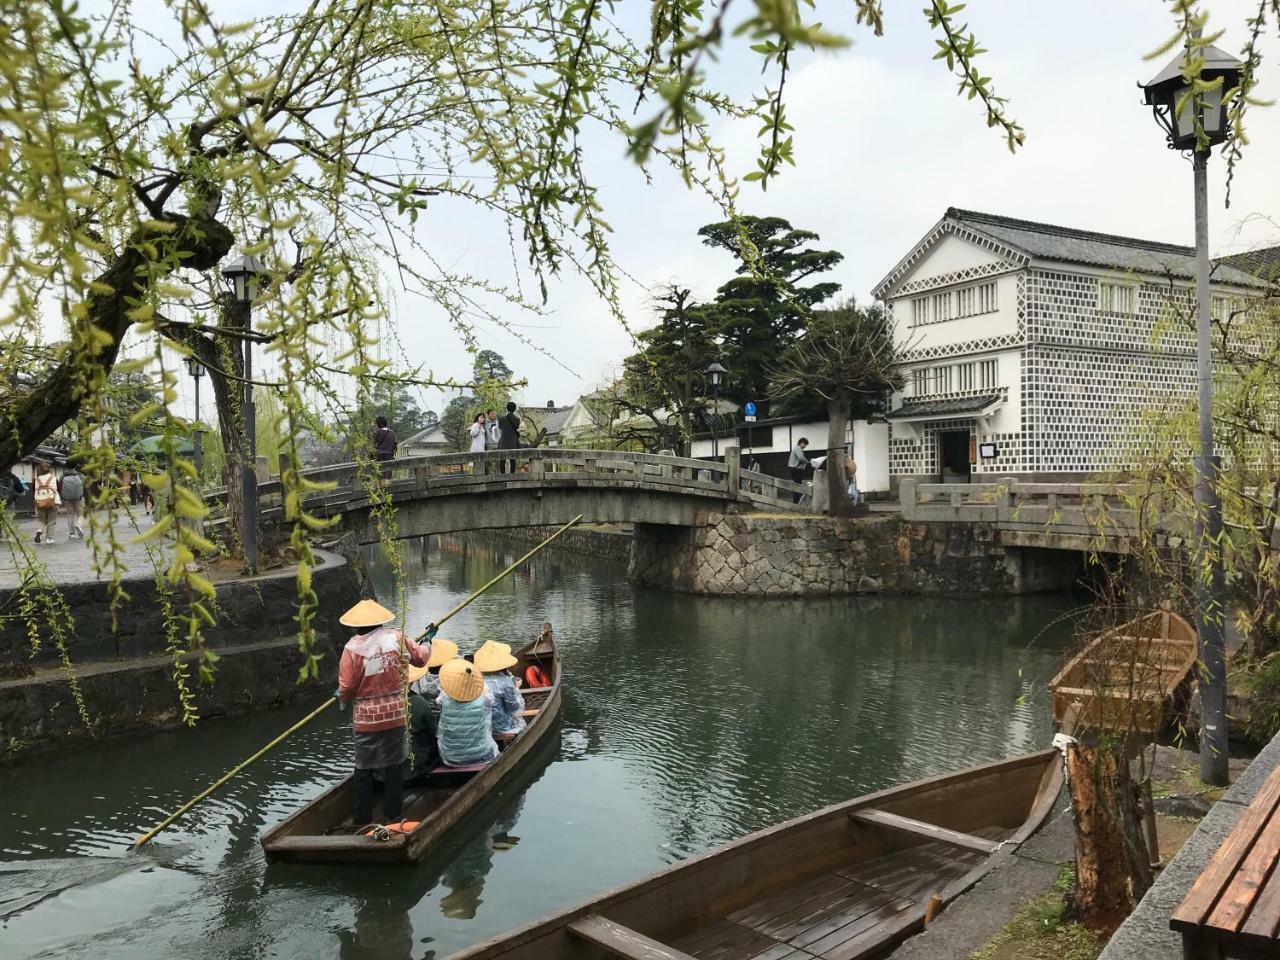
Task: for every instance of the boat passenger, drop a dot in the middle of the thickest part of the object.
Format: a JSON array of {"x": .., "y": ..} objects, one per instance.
[
  {"x": 495, "y": 662},
  {"x": 370, "y": 674},
  {"x": 426, "y": 680},
  {"x": 465, "y": 731}
]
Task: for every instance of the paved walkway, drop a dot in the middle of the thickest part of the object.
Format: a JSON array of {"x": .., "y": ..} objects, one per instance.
[{"x": 71, "y": 561}]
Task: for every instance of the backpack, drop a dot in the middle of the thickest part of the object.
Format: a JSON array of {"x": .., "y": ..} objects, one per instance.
[
  {"x": 46, "y": 491},
  {"x": 72, "y": 487}
]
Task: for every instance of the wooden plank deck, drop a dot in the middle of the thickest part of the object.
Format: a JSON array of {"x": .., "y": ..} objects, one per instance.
[{"x": 841, "y": 915}]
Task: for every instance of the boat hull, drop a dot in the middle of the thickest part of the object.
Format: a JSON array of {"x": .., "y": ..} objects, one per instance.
[{"x": 748, "y": 897}]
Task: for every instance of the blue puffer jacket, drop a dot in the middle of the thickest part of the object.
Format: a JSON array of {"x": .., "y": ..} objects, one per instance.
[{"x": 465, "y": 731}]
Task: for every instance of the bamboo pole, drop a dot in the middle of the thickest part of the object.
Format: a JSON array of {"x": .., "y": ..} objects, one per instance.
[{"x": 167, "y": 821}]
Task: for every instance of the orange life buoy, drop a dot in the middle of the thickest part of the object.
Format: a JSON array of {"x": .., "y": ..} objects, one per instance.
[{"x": 535, "y": 677}]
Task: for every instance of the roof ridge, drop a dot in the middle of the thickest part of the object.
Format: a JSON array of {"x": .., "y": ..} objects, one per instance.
[{"x": 977, "y": 216}]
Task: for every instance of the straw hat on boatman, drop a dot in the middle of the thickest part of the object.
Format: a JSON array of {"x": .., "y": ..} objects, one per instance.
[
  {"x": 369, "y": 673},
  {"x": 495, "y": 661},
  {"x": 466, "y": 724}
]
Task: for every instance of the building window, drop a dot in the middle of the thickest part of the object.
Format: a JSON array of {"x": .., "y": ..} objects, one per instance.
[
  {"x": 1115, "y": 298},
  {"x": 988, "y": 374},
  {"x": 967, "y": 376},
  {"x": 942, "y": 379},
  {"x": 966, "y": 298},
  {"x": 919, "y": 311},
  {"x": 942, "y": 307},
  {"x": 919, "y": 382},
  {"x": 987, "y": 298}
]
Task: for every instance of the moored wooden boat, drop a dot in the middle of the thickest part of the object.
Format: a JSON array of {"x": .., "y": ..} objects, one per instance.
[
  {"x": 839, "y": 884},
  {"x": 323, "y": 831},
  {"x": 1131, "y": 678}
]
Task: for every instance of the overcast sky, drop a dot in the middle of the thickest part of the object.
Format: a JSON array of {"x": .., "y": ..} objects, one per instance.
[{"x": 883, "y": 147}]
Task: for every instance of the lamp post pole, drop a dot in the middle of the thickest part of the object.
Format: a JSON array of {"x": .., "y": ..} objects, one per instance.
[
  {"x": 249, "y": 471},
  {"x": 715, "y": 373},
  {"x": 196, "y": 369},
  {"x": 1209, "y": 578},
  {"x": 1194, "y": 117},
  {"x": 244, "y": 277}
]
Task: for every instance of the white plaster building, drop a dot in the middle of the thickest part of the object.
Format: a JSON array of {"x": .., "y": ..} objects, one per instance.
[{"x": 1046, "y": 341}]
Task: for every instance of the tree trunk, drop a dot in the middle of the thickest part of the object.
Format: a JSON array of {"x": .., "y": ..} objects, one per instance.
[
  {"x": 837, "y": 483},
  {"x": 223, "y": 358},
  {"x": 29, "y": 418},
  {"x": 1113, "y": 868}
]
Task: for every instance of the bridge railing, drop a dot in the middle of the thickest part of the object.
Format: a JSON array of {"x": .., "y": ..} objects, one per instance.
[
  {"x": 542, "y": 466},
  {"x": 1098, "y": 509}
]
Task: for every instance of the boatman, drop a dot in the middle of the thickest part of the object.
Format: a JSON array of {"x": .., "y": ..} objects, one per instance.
[{"x": 371, "y": 672}]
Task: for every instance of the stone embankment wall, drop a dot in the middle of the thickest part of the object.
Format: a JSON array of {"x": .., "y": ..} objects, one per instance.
[
  {"x": 769, "y": 556},
  {"x": 126, "y": 679}
]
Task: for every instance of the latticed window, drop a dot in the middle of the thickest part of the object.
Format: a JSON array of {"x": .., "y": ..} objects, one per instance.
[
  {"x": 988, "y": 374},
  {"x": 967, "y": 298},
  {"x": 1115, "y": 298},
  {"x": 986, "y": 298},
  {"x": 966, "y": 376},
  {"x": 942, "y": 307},
  {"x": 919, "y": 311}
]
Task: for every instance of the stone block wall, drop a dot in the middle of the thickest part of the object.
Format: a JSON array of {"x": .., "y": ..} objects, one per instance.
[{"x": 769, "y": 556}]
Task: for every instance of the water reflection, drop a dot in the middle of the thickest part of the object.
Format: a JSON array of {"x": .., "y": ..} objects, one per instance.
[{"x": 686, "y": 722}]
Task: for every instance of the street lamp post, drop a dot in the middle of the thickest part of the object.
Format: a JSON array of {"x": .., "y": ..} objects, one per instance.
[
  {"x": 1195, "y": 120},
  {"x": 715, "y": 373},
  {"x": 196, "y": 369},
  {"x": 243, "y": 277}
]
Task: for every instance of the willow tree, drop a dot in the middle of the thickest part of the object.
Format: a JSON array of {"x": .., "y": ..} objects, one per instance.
[
  {"x": 139, "y": 152},
  {"x": 848, "y": 358}
]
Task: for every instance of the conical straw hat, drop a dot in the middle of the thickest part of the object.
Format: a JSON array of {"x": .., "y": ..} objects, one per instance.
[
  {"x": 461, "y": 680},
  {"x": 442, "y": 651},
  {"x": 367, "y": 613},
  {"x": 494, "y": 656}
]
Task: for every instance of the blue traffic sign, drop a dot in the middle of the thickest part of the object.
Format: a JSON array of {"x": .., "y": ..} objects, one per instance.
[{"x": 749, "y": 409}]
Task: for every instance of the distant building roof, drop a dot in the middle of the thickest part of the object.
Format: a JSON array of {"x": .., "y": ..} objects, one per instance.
[
  {"x": 552, "y": 419},
  {"x": 1263, "y": 262},
  {"x": 1044, "y": 241},
  {"x": 432, "y": 436}
]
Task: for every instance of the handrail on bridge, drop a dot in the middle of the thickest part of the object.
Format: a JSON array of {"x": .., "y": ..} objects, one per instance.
[{"x": 539, "y": 466}]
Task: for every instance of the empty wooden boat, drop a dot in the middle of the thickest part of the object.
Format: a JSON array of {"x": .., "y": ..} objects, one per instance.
[
  {"x": 323, "y": 831},
  {"x": 845, "y": 882},
  {"x": 1131, "y": 678}
]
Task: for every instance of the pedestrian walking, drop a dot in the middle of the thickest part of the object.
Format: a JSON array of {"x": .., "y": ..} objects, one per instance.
[
  {"x": 13, "y": 489},
  {"x": 798, "y": 463},
  {"x": 509, "y": 435},
  {"x": 385, "y": 443},
  {"x": 71, "y": 488},
  {"x": 45, "y": 492},
  {"x": 135, "y": 486}
]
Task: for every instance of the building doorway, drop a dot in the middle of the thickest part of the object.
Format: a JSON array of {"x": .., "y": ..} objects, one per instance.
[{"x": 953, "y": 456}]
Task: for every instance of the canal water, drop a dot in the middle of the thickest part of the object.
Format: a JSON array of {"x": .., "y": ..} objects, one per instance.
[{"x": 687, "y": 721}]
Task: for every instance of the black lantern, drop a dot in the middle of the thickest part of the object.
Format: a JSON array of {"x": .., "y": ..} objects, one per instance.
[
  {"x": 1176, "y": 107},
  {"x": 715, "y": 373},
  {"x": 243, "y": 278},
  {"x": 194, "y": 367}
]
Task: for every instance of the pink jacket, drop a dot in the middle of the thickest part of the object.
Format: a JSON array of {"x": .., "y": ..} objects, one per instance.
[{"x": 369, "y": 673}]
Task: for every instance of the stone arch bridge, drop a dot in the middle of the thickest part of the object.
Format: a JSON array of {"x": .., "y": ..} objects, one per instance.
[{"x": 456, "y": 492}]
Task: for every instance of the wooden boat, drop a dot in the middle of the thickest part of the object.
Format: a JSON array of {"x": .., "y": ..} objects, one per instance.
[
  {"x": 1129, "y": 679},
  {"x": 323, "y": 830},
  {"x": 845, "y": 882}
]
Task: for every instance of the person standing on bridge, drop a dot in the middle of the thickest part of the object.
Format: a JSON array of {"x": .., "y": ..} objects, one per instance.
[
  {"x": 798, "y": 463},
  {"x": 509, "y": 435},
  {"x": 370, "y": 673},
  {"x": 492, "y": 439},
  {"x": 478, "y": 432},
  {"x": 385, "y": 443}
]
